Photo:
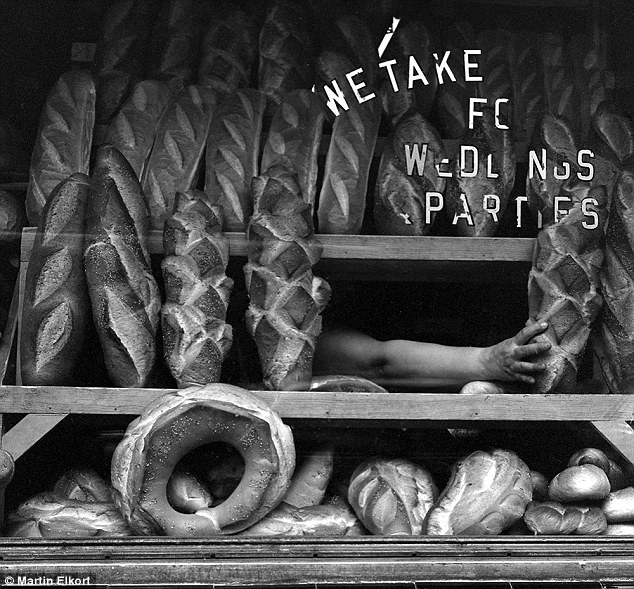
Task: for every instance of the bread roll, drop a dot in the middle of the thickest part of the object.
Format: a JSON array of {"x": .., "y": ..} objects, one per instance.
[
  {"x": 540, "y": 486},
  {"x": 552, "y": 518},
  {"x": 48, "y": 515},
  {"x": 124, "y": 295},
  {"x": 618, "y": 506},
  {"x": 229, "y": 52},
  {"x": 343, "y": 193},
  {"x": 586, "y": 482},
  {"x": 56, "y": 302},
  {"x": 173, "y": 164},
  {"x": 391, "y": 497},
  {"x": 294, "y": 138},
  {"x": 619, "y": 530},
  {"x": 196, "y": 338},
  {"x": 400, "y": 206},
  {"x": 64, "y": 136},
  {"x": 487, "y": 493},
  {"x": 186, "y": 493},
  {"x": 590, "y": 456},
  {"x": 311, "y": 477},
  {"x": 83, "y": 484},
  {"x": 133, "y": 128},
  {"x": 233, "y": 151}
]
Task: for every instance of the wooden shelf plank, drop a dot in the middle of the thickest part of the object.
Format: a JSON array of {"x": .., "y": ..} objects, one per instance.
[
  {"x": 620, "y": 435},
  {"x": 28, "y": 432},
  {"x": 379, "y": 247},
  {"x": 383, "y": 407}
]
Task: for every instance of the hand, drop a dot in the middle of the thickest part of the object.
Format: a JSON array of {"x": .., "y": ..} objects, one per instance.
[{"x": 510, "y": 359}]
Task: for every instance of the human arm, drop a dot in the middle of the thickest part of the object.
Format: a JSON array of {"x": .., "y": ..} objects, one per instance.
[{"x": 409, "y": 364}]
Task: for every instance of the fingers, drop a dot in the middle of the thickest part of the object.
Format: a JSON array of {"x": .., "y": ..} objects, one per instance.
[
  {"x": 523, "y": 367},
  {"x": 529, "y": 332},
  {"x": 531, "y": 349}
]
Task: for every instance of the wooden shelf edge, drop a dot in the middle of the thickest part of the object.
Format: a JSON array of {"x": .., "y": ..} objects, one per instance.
[{"x": 382, "y": 407}]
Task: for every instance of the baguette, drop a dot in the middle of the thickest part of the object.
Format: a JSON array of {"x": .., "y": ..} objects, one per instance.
[
  {"x": 55, "y": 297},
  {"x": 293, "y": 140},
  {"x": 494, "y": 69},
  {"x": 63, "y": 138},
  {"x": 343, "y": 193},
  {"x": 173, "y": 164},
  {"x": 133, "y": 128},
  {"x": 196, "y": 339},
  {"x": 233, "y": 150}
]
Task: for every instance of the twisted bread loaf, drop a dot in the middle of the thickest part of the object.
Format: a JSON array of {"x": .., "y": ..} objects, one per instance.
[
  {"x": 285, "y": 298},
  {"x": 613, "y": 338},
  {"x": 294, "y": 138},
  {"x": 196, "y": 338},
  {"x": 229, "y": 51},
  {"x": 56, "y": 299},
  {"x": 63, "y": 139},
  {"x": 133, "y": 128},
  {"x": 563, "y": 289},
  {"x": 124, "y": 295},
  {"x": 233, "y": 149},
  {"x": 553, "y": 518},
  {"x": 178, "y": 147}
]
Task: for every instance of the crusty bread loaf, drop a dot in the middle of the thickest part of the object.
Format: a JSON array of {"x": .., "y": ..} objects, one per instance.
[
  {"x": 233, "y": 151},
  {"x": 553, "y": 518},
  {"x": 294, "y": 138},
  {"x": 133, "y": 128},
  {"x": 343, "y": 193},
  {"x": 563, "y": 290},
  {"x": 229, "y": 52},
  {"x": 311, "y": 478},
  {"x": 64, "y": 137},
  {"x": 495, "y": 71},
  {"x": 581, "y": 483},
  {"x": 474, "y": 196},
  {"x": 285, "y": 298},
  {"x": 173, "y": 164},
  {"x": 391, "y": 496},
  {"x": 399, "y": 197},
  {"x": 83, "y": 484},
  {"x": 286, "y": 52},
  {"x": 196, "y": 338},
  {"x": 56, "y": 303},
  {"x": 124, "y": 295},
  {"x": 487, "y": 493},
  {"x": 618, "y": 506}
]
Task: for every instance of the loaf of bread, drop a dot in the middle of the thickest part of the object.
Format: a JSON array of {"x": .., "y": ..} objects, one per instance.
[
  {"x": 229, "y": 52},
  {"x": 186, "y": 493},
  {"x": 175, "y": 48},
  {"x": 560, "y": 94},
  {"x": 391, "y": 496},
  {"x": 286, "y": 52},
  {"x": 352, "y": 37},
  {"x": 618, "y": 506},
  {"x": 120, "y": 57},
  {"x": 124, "y": 295},
  {"x": 173, "y": 164},
  {"x": 487, "y": 493},
  {"x": 495, "y": 71},
  {"x": 196, "y": 338},
  {"x": 585, "y": 482},
  {"x": 83, "y": 484},
  {"x": 285, "y": 299},
  {"x": 311, "y": 477},
  {"x": 56, "y": 303},
  {"x": 411, "y": 39},
  {"x": 315, "y": 520},
  {"x": 470, "y": 199},
  {"x": 233, "y": 152},
  {"x": 400, "y": 204},
  {"x": 133, "y": 128},
  {"x": 551, "y": 518},
  {"x": 588, "y": 68},
  {"x": 613, "y": 337},
  {"x": 556, "y": 136},
  {"x": 563, "y": 289},
  {"x": 294, "y": 138},
  {"x": 528, "y": 87},
  {"x": 64, "y": 137},
  {"x": 342, "y": 198}
]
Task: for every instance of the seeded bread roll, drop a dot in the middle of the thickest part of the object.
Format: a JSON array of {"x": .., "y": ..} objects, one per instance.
[
  {"x": 229, "y": 52},
  {"x": 343, "y": 193},
  {"x": 133, "y": 128},
  {"x": 56, "y": 302},
  {"x": 173, "y": 164},
  {"x": 63, "y": 139},
  {"x": 233, "y": 150},
  {"x": 293, "y": 140}
]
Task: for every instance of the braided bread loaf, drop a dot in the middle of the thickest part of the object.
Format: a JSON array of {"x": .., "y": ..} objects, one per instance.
[
  {"x": 563, "y": 289},
  {"x": 285, "y": 298},
  {"x": 196, "y": 338}
]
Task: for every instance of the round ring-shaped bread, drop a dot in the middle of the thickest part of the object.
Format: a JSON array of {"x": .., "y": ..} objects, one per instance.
[{"x": 177, "y": 423}]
